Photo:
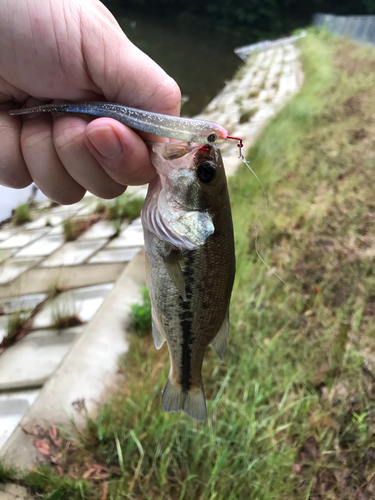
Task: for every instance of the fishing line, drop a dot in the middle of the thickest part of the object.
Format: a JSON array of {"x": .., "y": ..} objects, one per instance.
[{"x": 247, "y": 163}]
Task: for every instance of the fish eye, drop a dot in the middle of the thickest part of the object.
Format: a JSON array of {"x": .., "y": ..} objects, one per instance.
[
  {"x": 212, "y": 138},
  {"x": 206, "y": 172}
]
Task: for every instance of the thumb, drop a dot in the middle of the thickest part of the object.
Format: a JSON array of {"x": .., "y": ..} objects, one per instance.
[{"x": 120, "y": 71}]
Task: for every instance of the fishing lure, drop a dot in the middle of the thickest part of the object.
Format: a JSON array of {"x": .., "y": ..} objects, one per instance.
[{"x": 173, "y": 127}]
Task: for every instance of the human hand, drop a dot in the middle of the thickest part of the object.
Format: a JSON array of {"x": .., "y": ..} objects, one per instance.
[{"x": 74, "y": 50}]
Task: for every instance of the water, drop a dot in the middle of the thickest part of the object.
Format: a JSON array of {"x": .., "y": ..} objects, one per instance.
[{"x": 198, "y": 60}]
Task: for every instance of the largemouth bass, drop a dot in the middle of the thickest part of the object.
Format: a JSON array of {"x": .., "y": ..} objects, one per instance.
[{"x": 189, "y": 244}]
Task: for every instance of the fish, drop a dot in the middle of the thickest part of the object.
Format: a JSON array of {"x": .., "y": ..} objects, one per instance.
[
  {"x": 173, "y": 127},
  {"x": 189, "y": 242},
  {"x": 190, "y": 255}
]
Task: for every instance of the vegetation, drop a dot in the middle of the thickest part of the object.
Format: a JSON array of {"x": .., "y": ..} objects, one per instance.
[
  {"x": 22, "y": 214},
  {"x": 72, "y": 228},
  {"x": 243, "y": 19},
  {"x": 14, "y": 324},
  {"x": 291, "y": 409},
  {"x": 247, "y": 115},
  {"x": 125, "y": 207},
  {"x": 253, "y": 93},
  {"x": 64, "y": 313},
  {"x": 140, "y": 316}
]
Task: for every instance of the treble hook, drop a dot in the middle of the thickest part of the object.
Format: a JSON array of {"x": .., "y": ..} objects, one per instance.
[{"x": 239, "y": 145}]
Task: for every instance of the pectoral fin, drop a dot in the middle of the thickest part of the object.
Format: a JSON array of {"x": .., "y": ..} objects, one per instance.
[
  {"x": 220, "y": 341},
  {"x": 175, "y": 272},
  {"x": 159, "y": 338}
]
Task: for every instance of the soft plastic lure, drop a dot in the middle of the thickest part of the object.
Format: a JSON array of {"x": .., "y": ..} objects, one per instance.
[{"x": 173, "y": 127}]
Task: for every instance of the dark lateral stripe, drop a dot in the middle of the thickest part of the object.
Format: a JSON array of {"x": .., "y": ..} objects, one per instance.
[{"x": 186, "y": 322}]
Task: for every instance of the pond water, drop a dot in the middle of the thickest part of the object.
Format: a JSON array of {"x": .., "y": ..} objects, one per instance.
[{"x": 198, "y": 60}]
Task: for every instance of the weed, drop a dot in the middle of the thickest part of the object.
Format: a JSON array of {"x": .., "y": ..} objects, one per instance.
[
  {"x": 124, "y": 208},
  {"x": 72, "y": 228},
  {"x": 22, "y": 214},
  {"x": 253, "y": 94},
  {"x": 53, "y": 487},
  {"x": 100, "y": 208},
  {"x": 6, "y": 473},
  {"x": 247, "y": 115},
  {"x": 64, "y": 313},
  {"x": 14, "y": 325},
  {"x": 239, "y": 100},
  {"x": 140, "y": 316}
]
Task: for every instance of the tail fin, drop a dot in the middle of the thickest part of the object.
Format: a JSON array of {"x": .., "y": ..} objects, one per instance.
[{"x": 192, "y": 402}]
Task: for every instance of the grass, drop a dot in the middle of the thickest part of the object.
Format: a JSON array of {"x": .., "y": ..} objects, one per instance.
[
  {"x": 253, "y": 94},
  {"x": 291, "y": 409},
  {"x": 247, "y": 115},
  {"x": 140, "y": 316},
  {"x": 123, "y": 207},
  {"x": 22, "y": 214},
  {"x": 64, "y": 313},
  {"x": 72, "y": 228}
]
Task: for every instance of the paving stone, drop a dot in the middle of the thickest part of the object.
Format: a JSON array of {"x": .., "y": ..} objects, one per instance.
[
  {"x": 24, "y": 302},
  {"x": 102, "y": 229},
  {"x": 5, "y": 253},
  {"x": 13, "y": 267},
  {"x": 74, "y": 252},
  {"x": 32, "y": 360},
  {"x": 14, "y": 492},
  {"x": 7, "y": 232},
  {"x": 41, "y": 247},
  {"x": 23, "y": 238},
  {"x": 132, "y": 236},
  {"x": 82, "y": 302},
  {"x": 3, "y": 326},
  {"x": 115, "y": 255},
  {"x": 50, "y": 218},
  {"x": 13, "y": 406}
]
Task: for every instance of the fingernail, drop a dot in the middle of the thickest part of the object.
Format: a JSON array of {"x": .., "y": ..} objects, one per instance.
[{"x": 105, "y": 141}]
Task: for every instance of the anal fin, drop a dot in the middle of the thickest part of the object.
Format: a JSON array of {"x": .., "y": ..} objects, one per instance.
[
  {"x": 192, "y": 402},
  {"x": 220, "y": 341},
  {"x": 159, "y": 338},
  {"x": 175, "y": 272}
]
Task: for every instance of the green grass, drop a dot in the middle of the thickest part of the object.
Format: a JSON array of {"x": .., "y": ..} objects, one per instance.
[
  {"x": 140, "y": 316},
  {"x": 247, "y": 115},
  {"x": 291, "y": 409},
  {"x": 22, "y": 214},
  {"x": 72, "y": 228}
]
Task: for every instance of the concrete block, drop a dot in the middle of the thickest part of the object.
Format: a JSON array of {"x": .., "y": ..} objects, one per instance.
[
  {"x": 115, "y": 255},
  {"x": 31, "y": 361},
  {"x": 102, "y": 229},
  {"x": 42, "y": 247},
  {"x": 13, "y": 267},
  {"x": 23, "y": 238},
  {"x": 74, "y": 252},
  {"x": 82, "y": 302},
  {"x": 13, "y": 406}
]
